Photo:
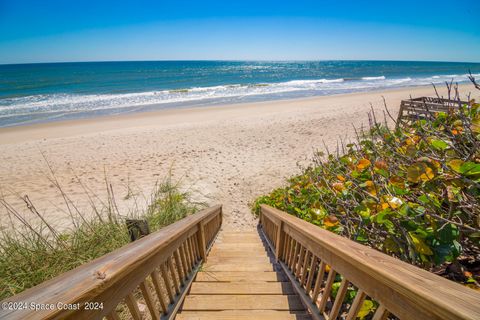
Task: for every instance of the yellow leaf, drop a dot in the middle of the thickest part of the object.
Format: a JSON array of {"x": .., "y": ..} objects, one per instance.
[
  {"x": 455, "y": 164},
  {"x": 476, "y": 124},
  {"x": 365, "y": 309},
  {"x": 397, "y": 181},
  {"x": 363, "y": 163},
  {"x": 419, "y": 171},
  {"x": 371, "y": 187},
  {"x": 340, "y": 177},
  {"x": 382, "y": 206},
  {"x": 420, "y": 245},
  {"x": 330, "y": 221}
]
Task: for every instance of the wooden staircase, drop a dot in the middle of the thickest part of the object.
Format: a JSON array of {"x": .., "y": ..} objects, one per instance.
[
  {"x": 294, "y": 270},
  {"x": 241, "y": 280}
]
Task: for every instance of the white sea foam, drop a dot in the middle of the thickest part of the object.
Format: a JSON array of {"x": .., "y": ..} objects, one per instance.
[
  {"x": 374, "y": 78},
  {"x": 55, "y": 104}
]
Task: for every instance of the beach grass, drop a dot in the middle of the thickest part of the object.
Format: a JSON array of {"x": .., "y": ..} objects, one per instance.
[{"x": 33, "y": 253}]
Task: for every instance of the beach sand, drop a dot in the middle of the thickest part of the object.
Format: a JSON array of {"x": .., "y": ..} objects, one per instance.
[{"x": 223, "y": 154}]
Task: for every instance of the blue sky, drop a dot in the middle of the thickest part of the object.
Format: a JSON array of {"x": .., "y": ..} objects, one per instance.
[{"x": 57, "y": 31}]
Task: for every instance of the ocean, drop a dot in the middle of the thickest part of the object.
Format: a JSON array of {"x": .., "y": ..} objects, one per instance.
[{"x": 32, "y": 93}]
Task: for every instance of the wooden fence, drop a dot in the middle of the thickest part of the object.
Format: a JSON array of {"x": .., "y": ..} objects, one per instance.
[
  {"x": 156, "y": 270},
  {"x": 308, "y": 253},
  {"x": 425, "y": 108}
]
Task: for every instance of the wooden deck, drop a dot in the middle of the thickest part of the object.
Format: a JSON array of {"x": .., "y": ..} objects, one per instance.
[{"x": 241, "y": 280}]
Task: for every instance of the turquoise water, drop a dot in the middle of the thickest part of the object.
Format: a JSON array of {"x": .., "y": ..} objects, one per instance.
[{"x": 32, "y": 93}]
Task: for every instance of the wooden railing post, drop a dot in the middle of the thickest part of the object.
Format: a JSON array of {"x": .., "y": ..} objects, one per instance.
[
  {"x": 280, "y": 242},
  {"x": 201, "y": 241}
]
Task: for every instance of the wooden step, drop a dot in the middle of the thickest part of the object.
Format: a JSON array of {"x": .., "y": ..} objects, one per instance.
[
  {"x": 242, "y": 302},
  {"x": 242, "y": 315},
  {"x": 239, "y": 239},
  {"x": 245, "y": 260},
  {"x": 245, "y": 246},
  {"x": 239, "y": 235},
  {"x": 253, "y": 288},
  {"x": 238, "y": 267},
  {"x": 237, "y": 253},
  {"x": 236, "y": 250},
  {"x": 233, "y": 240},
  {"x": 239, "y": 276}
]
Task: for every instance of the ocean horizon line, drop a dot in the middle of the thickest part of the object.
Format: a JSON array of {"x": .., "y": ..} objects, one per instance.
[{"x": 237, "y": 60}]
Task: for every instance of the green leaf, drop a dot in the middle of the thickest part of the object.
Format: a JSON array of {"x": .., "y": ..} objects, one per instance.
[
  {"x": 470, "y": 168},
  {"x": 439, "y": 144},
  {"x": 448, "y": 233}
]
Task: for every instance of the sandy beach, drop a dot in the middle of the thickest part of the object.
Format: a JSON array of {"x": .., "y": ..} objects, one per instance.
[{"x": 224, "y": 154}]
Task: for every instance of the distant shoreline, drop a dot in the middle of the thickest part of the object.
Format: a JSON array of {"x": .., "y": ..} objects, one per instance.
[
  {"x": 41, "y": 93},
  {"x": 154, "y": 109}
]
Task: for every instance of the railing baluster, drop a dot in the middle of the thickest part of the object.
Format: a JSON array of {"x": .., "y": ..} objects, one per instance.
[
  {"x": 279, "y": 242},
  {"x": 328, "y": 288},
  {"x": 158, "y": 289},
  {"x": 133, "y": 306},
  {"x": 179, "y": 267},
  {"x": 286, "y": 252},
  {"x": 311, "y": 273},
  {"x": 318, "y": 282},
  {"x": 113, "y": 315},
  {"x": 305, "y": 265},
  {"x": 339, "y": 299},
  {"x": 187, "y": 257},
  {"x": 174, "y": 276},
  {"x": 381, "y": 313},
  {"x": 147, "y": 295},
  {"x": 166, "y": 279},
  {"x": 195, "y": 248},
  {"x": 292, "y": 253},
  {"x": 356, "y": 305},
  {"x": 184, "y": 261},
  {"x": 300, "y": 261},
  {"x": 190, "y": 251}
]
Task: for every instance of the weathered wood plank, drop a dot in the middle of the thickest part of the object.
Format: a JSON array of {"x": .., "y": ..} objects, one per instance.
[
  {"x": 236, "y": 253},
  {"x": 239, "y": 267},
  {"x": 239, "y": 276},
  {"x": 238, "y": 260},
  {"x": 242, "y": 315},
  {"x": 242, "y": 302},
  {"x": 252, "y": 288}
]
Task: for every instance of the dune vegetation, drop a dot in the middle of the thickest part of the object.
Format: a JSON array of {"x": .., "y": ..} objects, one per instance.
[{"x": 412, "y": 192}]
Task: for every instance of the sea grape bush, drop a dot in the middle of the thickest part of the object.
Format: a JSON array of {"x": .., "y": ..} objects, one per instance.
[{"x": 412, "y": 192}]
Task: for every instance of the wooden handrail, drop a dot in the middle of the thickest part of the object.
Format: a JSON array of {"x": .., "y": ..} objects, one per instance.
[
  {"x": 161, "y": 265},
  {"x": 308, "y": 253}
]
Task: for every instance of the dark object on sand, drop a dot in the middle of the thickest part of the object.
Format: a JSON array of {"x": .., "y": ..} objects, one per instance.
[{"x": 137, "y": 228}]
